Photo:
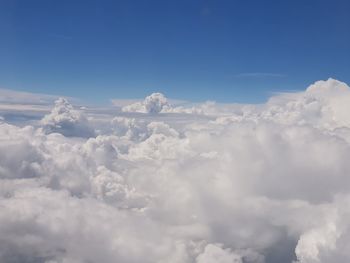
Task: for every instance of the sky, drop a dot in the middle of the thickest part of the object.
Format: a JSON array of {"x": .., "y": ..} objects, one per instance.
[{"x": 226, "y": 51}]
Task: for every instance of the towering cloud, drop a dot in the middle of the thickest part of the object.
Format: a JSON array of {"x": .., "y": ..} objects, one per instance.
[
  {"x": 242, "y": 184},
  {"x": 153, "y": 104},
  {"x": 66, "y": 120}
]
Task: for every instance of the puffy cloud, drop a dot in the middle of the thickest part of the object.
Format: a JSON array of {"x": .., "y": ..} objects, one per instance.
[
  {"x": 216, "y": 254},
  {"x": 235, "y": 183},
  {"x": 66, "y": 120},
  {"x": 158, "y": 103},
  {"x": 20, "y": 158},
  {"x": 154, "y": 103},
  {"x": 325, "y": 103}
]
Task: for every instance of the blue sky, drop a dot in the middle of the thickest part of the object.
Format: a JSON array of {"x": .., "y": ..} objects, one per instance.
[{"x": 228, "y": 51}]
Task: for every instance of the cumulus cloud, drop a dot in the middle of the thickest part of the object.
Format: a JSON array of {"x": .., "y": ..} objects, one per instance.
[
  {"x": 66, "y": 120},
  {"x": 154, "y": 103},
  {"x": 233, "y": 184},
  {"x": 158, "y": 103}
]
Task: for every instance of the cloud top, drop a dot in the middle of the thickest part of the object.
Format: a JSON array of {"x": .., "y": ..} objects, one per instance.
[
  {"x": 66, "y": 120},
  {"x": 231, "y": 184},
  {"x": 152, "y": 104}
]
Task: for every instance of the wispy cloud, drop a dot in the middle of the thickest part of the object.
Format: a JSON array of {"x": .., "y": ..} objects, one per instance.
[
  {"x": 260, "y": 75},
  {"x": 8, "y": 96}
]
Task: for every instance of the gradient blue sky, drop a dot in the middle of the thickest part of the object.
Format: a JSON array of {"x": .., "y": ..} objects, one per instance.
[{"x": 228, "y": 51}]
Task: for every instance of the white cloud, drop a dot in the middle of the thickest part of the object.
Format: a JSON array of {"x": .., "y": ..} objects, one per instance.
[
  {"x": 152, "y": 104},
  {"x": 233, "y": 183},
  {"x": 66, "y": 120},
  {"x": 216, "y": 254}
]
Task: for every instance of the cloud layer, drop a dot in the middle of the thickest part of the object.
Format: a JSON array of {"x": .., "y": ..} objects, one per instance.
[{"x": 210, "y": 183}]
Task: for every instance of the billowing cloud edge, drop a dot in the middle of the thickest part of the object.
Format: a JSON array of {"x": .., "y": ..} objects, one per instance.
[{"x": 267, "y": 183}]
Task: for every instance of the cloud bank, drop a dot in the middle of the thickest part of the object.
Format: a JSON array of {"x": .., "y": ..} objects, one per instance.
[{"x": 210, "y": 183}]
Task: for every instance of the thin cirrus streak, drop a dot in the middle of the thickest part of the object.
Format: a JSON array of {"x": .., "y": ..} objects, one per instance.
[{"x": 156, "y": 182}]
